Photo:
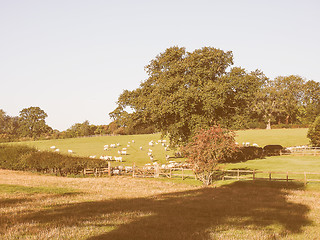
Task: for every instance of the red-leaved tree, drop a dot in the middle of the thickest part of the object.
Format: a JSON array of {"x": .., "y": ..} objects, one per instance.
[{"x": 209, "y": 148}]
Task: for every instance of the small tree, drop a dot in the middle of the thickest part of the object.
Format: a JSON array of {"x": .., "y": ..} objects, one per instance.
[
  {"x": 314, "y": 133},
  {"x": 209, "y": 148}
]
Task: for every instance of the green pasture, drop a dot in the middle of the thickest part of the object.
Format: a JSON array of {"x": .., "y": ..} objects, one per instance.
[
  {"x": 90, "y": 146},
  {"x": 94, "y": 146},
  {"x": 285, "y": 137}
]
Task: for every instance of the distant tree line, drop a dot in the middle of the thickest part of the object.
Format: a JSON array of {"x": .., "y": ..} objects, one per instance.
[
  {"x": 187, "y": 91},
  {"x": 31, "y": 125}
]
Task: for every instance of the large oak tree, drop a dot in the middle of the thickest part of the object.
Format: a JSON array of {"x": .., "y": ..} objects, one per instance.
[{"x": 186, "y": 91}]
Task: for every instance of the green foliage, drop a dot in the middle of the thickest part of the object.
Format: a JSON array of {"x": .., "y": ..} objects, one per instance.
[
  {"x": 314, "y": 133},
  {"x": 188, "y": 91},
  {"x": 32, "y": 122},
  {"x": 209, "y": 148},
  {"x": 29, "y": 159},
  {"x": 11, "y": 156}
]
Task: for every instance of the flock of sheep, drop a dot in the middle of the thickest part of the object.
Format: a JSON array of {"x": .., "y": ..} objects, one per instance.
[{"x": 123, "y": 151}]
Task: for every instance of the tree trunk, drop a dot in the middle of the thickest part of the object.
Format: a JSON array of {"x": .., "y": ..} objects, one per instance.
[{"x": 269, "y": 124}]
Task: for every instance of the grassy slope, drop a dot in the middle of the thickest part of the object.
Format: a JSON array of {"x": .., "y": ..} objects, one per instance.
[
  {"x": 126, "y": 208},
  {"x": 284, "y": 137},
  {"x": 94, "y": 145}
]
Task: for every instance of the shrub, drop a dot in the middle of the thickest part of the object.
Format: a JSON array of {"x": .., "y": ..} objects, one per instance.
[
  {"x": 246, "y": 153},
  {"x": 207, "y": 149},
  {"x": 30, "y": 159},
  {"x": 272, "y": 150},
  {"x": 314, "y": 133}
]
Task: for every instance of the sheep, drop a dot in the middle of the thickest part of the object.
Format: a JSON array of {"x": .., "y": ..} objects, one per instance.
[
  {"x": 128, "y": 145},
  {"x": 124, "y": 149},
  {"x": 163, "y": 144},
  {"x": 150, "y": 150},
  {"x": 151, "y": 144},
  {"x": 132, "y": 141},
  {"x": 94, "y": 156},
  {"x": 149, "y": 154},
  {"x": 167, "y": 157},
  {"x": 106, "y": 146},
  {"x": 255, "y": 145},
  {"x": 118, "y": 159},
  {"x": 70, "y": 151},
  {"x": 53, "y": 147},
  {"x": 140, "y": 148},
  {"x": 57, "y": 150},
  {"x": 123, "y": 152},
  {"x": 112, "y": 145},
  {"x": 151, "y": 158},
  {"x": 108, "y": 158},
  {"x": 118, "y": 144},
  {"x": 128, "y": 169},
  {"x": 116, "y": 171},
  {"x": 165, "y": 148}
]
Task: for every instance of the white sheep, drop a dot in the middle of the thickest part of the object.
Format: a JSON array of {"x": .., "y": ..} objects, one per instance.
[
  {"x": 70, "y": 151},
  {"x": 57, "y": 150},
  {"x": 149, "y": 154},
  {"x": 53, "y": 147},
  {"x": 94, "y": 156},
  {"x": 123, "y": 152},
  {"x": 140, "y": 148},
  {"x": 118, "y": 159}
]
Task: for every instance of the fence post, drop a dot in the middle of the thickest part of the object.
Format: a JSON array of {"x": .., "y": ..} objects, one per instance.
[
  {"x": 305, "y": 179},
  {"x": 133, "y": 168},
  {"x": 156, "y": 171},
  {"x": 269, "y": 176},
  {"x": 253, "y": 175},
  {"x": 109, "y": 169},
  {"x": 238, "y": 174},
  {"x": 287, "y": 176}
]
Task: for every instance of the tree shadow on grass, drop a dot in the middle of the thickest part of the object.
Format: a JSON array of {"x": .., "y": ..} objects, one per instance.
[{"x": 186, "y": 215}]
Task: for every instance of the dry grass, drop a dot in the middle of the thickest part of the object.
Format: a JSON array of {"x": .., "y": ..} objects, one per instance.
[{"x": 48, "y": 207}]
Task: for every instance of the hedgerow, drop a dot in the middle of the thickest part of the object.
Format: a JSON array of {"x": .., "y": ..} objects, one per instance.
[{"x": 30, "y": 159}]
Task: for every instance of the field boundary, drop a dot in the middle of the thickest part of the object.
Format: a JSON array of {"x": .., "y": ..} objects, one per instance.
[
  {"x": 184, "y": 173},
  {"x": 240, "y": 174}
]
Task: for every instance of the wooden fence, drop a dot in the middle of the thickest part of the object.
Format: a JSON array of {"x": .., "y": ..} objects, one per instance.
[
  {"x": 239, "y": 174},
  {"x": 301, "y": 151},
  {"x": 184, "y": 173}
]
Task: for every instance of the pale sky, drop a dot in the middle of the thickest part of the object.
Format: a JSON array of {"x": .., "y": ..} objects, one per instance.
[{"x": 73, "y": 58}]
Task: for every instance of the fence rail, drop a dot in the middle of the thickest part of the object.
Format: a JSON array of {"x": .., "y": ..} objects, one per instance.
[
  {"x": 183, "y": 173},
  {"x": 301, "y": 151},
  {"x": 239, "y": 174}
]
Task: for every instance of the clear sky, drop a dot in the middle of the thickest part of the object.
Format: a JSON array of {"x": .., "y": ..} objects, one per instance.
[{"x": 73, "y": 58}]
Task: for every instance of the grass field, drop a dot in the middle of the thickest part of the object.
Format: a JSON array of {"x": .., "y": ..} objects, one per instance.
[
  {"x": 35, "y": 206},
  {"x": 46, "y": 207},
  {"x": 94, "y": 145}
]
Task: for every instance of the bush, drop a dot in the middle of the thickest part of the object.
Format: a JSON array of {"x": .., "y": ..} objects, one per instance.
[
  {"x": 30, "y": 159},
  {"x": 207, "y": 149},
  {"x": 11, "y": 156},
  {"x": 314, "y": 133},
  {"x": 272, "y": 150},
  {"x": 247, "y": 153}
]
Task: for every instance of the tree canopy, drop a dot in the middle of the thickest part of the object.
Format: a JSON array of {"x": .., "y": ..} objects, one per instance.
[
  {"x": 32, "y": 122},
  {"x": 186, "y": 91}
]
